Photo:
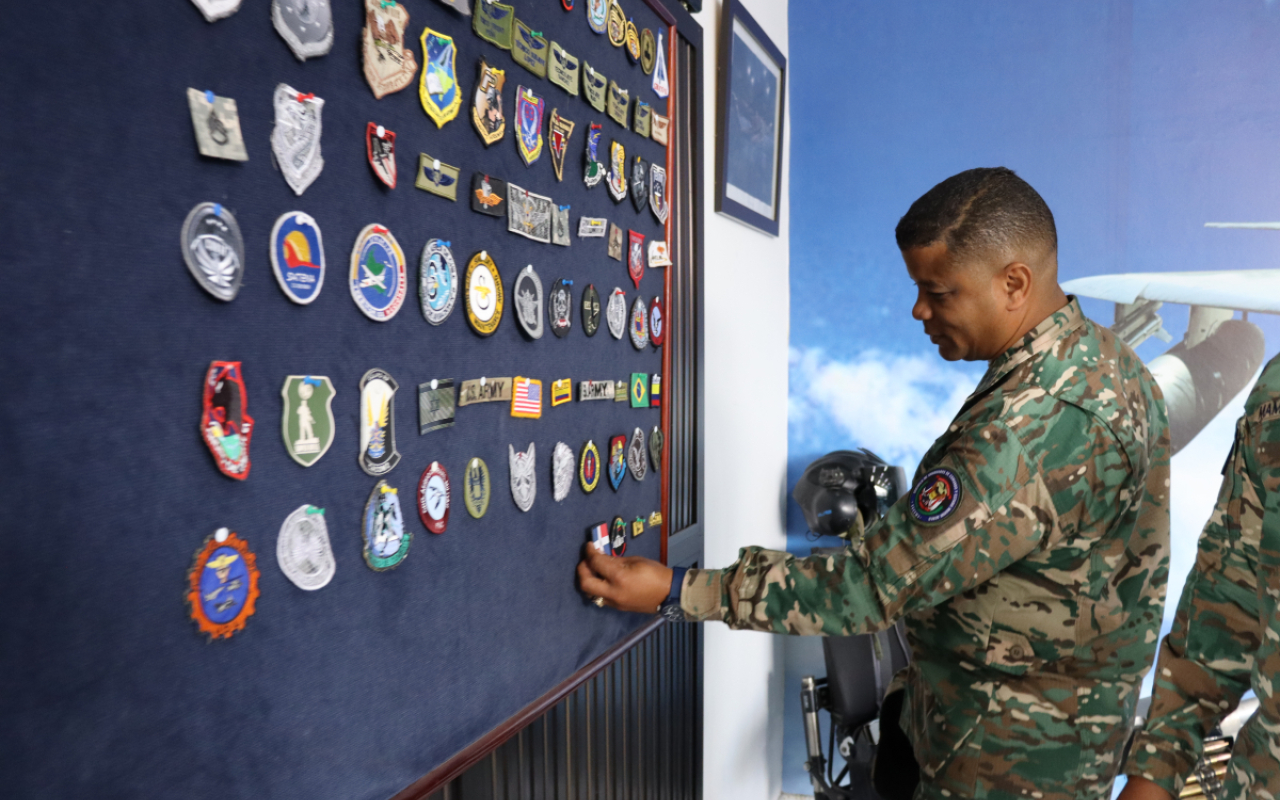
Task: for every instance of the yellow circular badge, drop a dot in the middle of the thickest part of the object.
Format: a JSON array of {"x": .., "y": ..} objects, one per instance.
[
  {"x": 484, "y": 294},
  {"x": 617, "y": 25}
]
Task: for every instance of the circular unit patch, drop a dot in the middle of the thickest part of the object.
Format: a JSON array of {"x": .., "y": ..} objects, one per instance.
[
  {"x": 437, "y": 281},
  {"x": 639, "y": 324},
  {"x": 633, "y": 42},
  {"x": 936, "y": 496},
  {"x": 386, "y": 540},
  {"x": 433, "y": 498},
  {"x": 618, "y": 536},
  {"x": 526, "y": 296},
  {"x": 648, "y": 51},
  {"x": 475, "y": 488},
  {"x": 303, "y": 550},
  {"x": 297, "y": 257},
  {"x": 655, "y": 322},
  {"x": 590, "y": 310},
  {"x": 484, "y": 294},
  {"x": 378, "y": 280},
  {"x": 616, "y": 313},
  {"x": 560, "y": 308},
  {"x": 655, "y": 448},
  {"x": 213, "y": 250},
  {"x": 589, "y": 467},
  {"x": 617, "y": 25},
  {"x": 222, "y": 586}
]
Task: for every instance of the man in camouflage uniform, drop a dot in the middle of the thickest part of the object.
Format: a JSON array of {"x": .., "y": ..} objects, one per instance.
[
  {"x": 1226, "y": 638},
  {"x": 1030, "y": 558}
]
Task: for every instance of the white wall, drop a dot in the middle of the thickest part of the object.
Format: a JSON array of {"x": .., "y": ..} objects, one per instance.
[{"x": 747, "y": 328}]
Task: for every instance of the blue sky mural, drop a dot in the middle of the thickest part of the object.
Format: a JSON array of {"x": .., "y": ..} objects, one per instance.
[{"x": 1138, "y": 121}]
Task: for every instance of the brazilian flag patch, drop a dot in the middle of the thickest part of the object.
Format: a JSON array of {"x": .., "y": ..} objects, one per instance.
[{"x": 936, "y": 496}]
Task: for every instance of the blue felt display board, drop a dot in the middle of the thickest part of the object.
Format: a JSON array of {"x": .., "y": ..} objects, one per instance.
[{"x": 106, "y": 489}]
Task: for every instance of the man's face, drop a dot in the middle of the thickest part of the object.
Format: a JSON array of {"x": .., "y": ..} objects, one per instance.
[{"x": 962, "y": 306}]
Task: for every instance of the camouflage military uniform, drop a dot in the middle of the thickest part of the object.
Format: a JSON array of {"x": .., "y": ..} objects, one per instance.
[
  {"x": 1029, "y": 562},
  {"x": 1226, "y": 637}
]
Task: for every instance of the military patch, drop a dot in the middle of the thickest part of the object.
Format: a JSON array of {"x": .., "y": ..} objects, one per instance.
[
  {"x": 655, "y": 391},
  {"x": 475, "y": 488},
  {"x": 617, "y": 461},
  {"x": 305, "y": 25},
  {"x": 648, "y": 49},
  {"x": 485, "y": 390},
  {"x": 216, "y": 123},
  {"x": 660, "y": 86},
  {"x": 589, "y": 467},
  {"x": 621, "y": 391},
  {"x": 437, "y": 178},
  {"x": 658, "y": 255},
  {"x": 567, "y": 4},
  {"x": 295, "y": 139},
  {"x": 214, "y": 10},
  {"x": 561, "y": 391},
  {"x": 561, "y": 471},
  {"x": 562, "y": 68},
  {"x": 438, "y": 88},
  {"x": 484, "y": 294},
  {"x": 378, "y": 454},
  {"x": 637, "y": 461},
  {"x": 590, "y": 310},
  {"x": 560, "y": 226},
  {"x": 492, "y": 22},
  {"x": 213, "y": 250},
  {"x": 655, "y": 322},
  {"x": 595, "y": 390},
  {"x": 660, "y": 126},
  {"x": 592, "y": 227},
  {"x": 378, "y": 279},
  {"x": 307, "y": 423},
  {"x": 599, "y": 534},
  {"x": 222, "y": 585},
  {"x": 658, "y": 193},
  {"x": 529, "y": 111},
  {"x": 618, "y": 536},
  {"x": 616, "y": 313},
  {"x": 637, "y": 527},
  {"x": 297, "y": 257},
  {"x": 594, "y": 170},
  {"x": 437, "y": 281},
  {"x": 560, "y": 308},
  {"x": 380, "y": 144},
  {"x": 488, "y": 195},
  {"x": 303, "y": 550},
  {"x": 526, "y": 295},
  {"x": 643, "y": 121},
  {"x": 639, "y": 324},
  {"x": 598, "y": 15},
  {"x": 617, "y": 25},
  {"x": 936, "y": 496},
  {"x": 594, "y": 87},
  {"x": 529, "y": 49},
  {"x": 639, "y": 390},
  {"x": 633, "y": 42},
  {"x": 486, "y": 109},
  {"x": 619, "y": 103},
  {"x": 386, "y": 540},
  {"x": 225, "y": 424},
  {"x": 635, "y": 257},
  {"x": 617, "y": 171},
  {"x": 461, "y": 6},
  {"x": 524, "y": 480},
  {"x": 640, "y": 183},
  {"x": 433, "y": 498},
  {"x": 655, "y": 519},
  {"x": 656, "y": 440},
  {"x": 526, "y": 398},
  {"x": 559, "y": 130},
  {"x": 435, "y": 405},
  {"x": 389, "y": 66},
  {"x": 528, "y": 214}
]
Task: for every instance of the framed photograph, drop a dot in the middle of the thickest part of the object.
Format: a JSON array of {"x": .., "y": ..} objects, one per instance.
[{"x": 749, "y": 122}]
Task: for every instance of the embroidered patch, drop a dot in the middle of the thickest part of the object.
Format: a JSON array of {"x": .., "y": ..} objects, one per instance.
[{"x": 936, "y": 496}]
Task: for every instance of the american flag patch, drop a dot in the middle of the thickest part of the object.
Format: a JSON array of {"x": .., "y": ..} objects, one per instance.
[{"x": 526, "y": 398}]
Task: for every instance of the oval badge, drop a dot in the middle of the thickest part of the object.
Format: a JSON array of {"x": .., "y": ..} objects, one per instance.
[
  {"x": 639, "y": 324},
  {"x": 386, "y": 541},
  {"x": 590, "y": 310},
  {"x": 303, "y": 550},
  {"x": 297, "y": 257},
  {"x": 559, "y": 308},
  {"x": 527, "y": 297},
  {"x": 616, "y": 313},
  {"x": 589, "y": 467},
  {"x": 655, "y": 322},
  {"x": 618, "y": 536},
  {"x": 222, "y": 586},
  {"x": 936, "y": 496},
  {"x": 378, "y": 277},
  {"x": 484, "y": 294},
  {"x": 214, "y": 250},
  {"x": 437, "y": 281},
  {"x": 433, "y": 498},
  {"x": 475, "y": 489}
]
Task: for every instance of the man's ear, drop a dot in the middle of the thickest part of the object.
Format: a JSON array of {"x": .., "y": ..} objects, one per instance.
[{"x": 1018, "y": 280}]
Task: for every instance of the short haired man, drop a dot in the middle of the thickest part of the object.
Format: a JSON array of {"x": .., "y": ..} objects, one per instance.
[
  {"x": 1226, "y": 637},
  {"x": 1030, "y": 558}
]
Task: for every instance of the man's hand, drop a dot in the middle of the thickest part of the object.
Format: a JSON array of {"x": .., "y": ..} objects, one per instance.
[
  {"x": 1143, "y": 789},
  {"x": 627, "y": 583}
]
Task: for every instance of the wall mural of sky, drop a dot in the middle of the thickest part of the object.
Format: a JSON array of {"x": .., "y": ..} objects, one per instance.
[{"x": 1137, "y": 120}]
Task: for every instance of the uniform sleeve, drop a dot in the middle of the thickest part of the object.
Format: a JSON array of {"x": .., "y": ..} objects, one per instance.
[
  {"x": 1206, "y": 661},
  {"x": 979, "y": 509}
]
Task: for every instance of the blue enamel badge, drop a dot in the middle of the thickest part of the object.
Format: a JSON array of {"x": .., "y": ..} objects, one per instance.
[
  {"x": 529, "y": 109},
  {"x": 297, "y": 257},
  {"x": 617, "y": 461},
  {"x": 936, "y": 496}
]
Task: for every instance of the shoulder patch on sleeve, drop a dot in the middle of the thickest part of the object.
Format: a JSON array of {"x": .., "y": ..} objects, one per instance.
[{"x": 936, "y": 496}]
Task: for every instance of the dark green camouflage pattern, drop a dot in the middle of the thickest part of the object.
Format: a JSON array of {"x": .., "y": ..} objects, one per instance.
[
  {"x": 1033, "y": 609},
  {"x": 1226, "y": 636}
]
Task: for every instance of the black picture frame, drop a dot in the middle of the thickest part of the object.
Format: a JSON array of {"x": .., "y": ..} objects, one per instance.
[{"x": 748, "y": 175}]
